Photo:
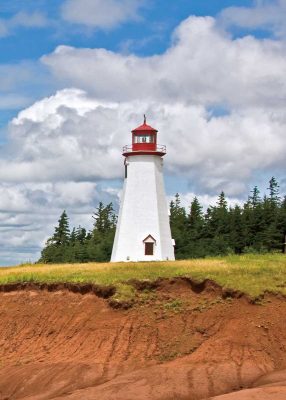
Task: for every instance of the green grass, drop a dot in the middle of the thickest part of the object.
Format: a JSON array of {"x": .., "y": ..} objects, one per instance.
[{"x": 252, "y": 274}]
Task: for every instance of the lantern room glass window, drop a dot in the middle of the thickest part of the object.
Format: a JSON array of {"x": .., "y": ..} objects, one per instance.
[{"x": 144, "y": 139}]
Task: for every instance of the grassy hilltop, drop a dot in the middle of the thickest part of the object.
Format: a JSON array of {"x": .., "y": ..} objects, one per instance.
[{"x": 252, "y": 274}]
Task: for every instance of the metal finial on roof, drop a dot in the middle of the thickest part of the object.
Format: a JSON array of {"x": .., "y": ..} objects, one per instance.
[{"x": 144, "y": 119}]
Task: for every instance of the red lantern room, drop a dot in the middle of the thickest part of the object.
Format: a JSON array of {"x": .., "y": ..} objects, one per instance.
[{"x": 144, "y": 141}]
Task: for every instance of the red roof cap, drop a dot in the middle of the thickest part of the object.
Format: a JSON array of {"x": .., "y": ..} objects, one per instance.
[{"x": 144, "y": 127}]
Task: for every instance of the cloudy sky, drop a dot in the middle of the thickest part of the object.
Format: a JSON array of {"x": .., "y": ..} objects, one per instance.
[{"x": 77, "y": 75}]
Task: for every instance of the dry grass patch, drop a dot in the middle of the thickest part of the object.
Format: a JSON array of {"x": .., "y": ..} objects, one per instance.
[{"x": 252, "y": 274}]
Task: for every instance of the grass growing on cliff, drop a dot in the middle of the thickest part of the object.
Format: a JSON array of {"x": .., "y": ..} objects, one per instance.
[{"x": 252, "y": 274}]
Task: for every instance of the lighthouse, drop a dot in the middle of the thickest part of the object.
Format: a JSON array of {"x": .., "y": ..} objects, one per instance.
[{"x": 143, "y": 230}]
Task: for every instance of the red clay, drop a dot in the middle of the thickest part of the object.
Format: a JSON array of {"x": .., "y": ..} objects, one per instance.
[{"x": 174, "y": 343}]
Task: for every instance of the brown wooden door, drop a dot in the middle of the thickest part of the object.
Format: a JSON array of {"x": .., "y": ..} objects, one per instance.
[{"x": 149, "y": 249}]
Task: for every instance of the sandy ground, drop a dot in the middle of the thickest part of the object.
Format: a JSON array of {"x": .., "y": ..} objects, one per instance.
[{"x": 174, "y": 343}]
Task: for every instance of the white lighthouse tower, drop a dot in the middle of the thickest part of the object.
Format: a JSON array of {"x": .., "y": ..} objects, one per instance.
[{"x": 143, "y": 230}]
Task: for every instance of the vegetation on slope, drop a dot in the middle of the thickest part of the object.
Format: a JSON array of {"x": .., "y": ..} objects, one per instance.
[{"x": 251, "y": 274}]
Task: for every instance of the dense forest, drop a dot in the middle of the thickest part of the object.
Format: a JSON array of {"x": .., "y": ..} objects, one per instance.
[
  {"x": 78, "y": 245},
  {"x": 259, "y": 226}
]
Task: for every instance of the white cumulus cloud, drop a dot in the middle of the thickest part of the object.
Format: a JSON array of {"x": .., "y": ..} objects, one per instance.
[
  {"x": 103, "y": 14},
  {"x": 21, "y": 83},
  {"x": 73, "y": 136},
  {"x": 203, "y": 66},
  {"x": 22, "y": 19},
  {"x": 265, "y": 14},
  {"x": 29, "y": 213}
]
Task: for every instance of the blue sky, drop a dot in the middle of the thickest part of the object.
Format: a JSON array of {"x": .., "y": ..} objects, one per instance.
[
  {"x": 150, "y": 34},
  {"x": 77, "y": 75}
]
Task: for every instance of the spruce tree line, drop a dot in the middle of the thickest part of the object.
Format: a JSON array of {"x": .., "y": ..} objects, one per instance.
[
  {"x": 78, "y": 245},
  {"x": 259, "y": 226}
]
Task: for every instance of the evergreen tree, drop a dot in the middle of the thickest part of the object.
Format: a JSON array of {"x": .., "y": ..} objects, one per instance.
[
  {"x": 178, "y": 223},
  {"x": 237, "y": 230},
  {"x": 195, "y": 219},
  {"x": 221, "y": 202},
  {"x": 271, "y": 237},
  {"x": 72, "y": 237},
  {"x": 56, "y": 249},
  {"x": 177, "y": 213},
  {"x": 104, "y": 218},
  {"x": 282, "y": 224},
  {"x": 80, "y": 235},
  {"x": 217, "y": 228},
  {"x": 62, "y": 231},
  {"x": 100, "y": 244},
  {"x": 274, "y": 192},
  {"x": 217, "y": 217},
  {"x": 196, "y": 246},
  {"x": 255, "y": 199},
  {"x": 254, "y": 223}
]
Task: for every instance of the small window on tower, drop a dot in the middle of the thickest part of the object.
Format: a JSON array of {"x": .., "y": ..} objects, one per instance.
[
  {"x": 125, "y": 168},
  {"x": 149, "y": 249}
]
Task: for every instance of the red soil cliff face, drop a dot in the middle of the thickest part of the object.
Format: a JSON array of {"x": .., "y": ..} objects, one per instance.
[{"x": 174, "y": 343}]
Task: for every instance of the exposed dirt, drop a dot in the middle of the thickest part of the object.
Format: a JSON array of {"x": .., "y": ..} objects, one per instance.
[{"x": 179, "y": 341}]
